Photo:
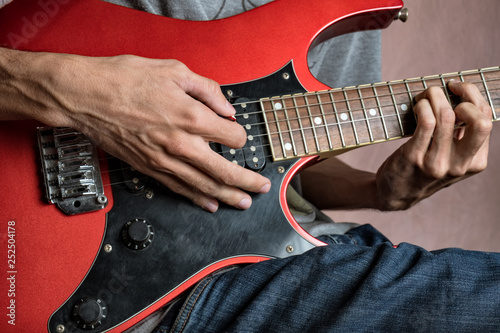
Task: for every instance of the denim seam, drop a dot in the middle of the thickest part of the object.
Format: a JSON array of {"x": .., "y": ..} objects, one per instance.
[{"x": 207, "y": 281}]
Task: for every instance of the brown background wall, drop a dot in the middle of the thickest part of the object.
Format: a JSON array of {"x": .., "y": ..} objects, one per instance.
[{"x": 441, "y": 36}]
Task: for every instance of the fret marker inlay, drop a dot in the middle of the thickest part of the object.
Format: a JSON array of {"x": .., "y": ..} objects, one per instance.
[{"x": 321, "y": 122}]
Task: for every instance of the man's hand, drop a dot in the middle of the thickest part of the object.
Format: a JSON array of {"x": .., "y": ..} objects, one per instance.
[
  {"x": 438, "y": 154},
  {"x": 156, "y": 115}
]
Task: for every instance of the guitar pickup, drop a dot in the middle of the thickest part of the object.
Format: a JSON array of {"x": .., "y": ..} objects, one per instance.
[{"x": 70, "y": 170}]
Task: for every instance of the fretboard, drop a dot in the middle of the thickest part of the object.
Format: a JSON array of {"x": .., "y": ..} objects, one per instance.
[{"x": 324, "y": 122}]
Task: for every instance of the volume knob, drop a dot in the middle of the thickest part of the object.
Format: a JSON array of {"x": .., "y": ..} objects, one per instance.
[
  {"x": 89, "y": 313},
  {"x": 137, "y": 234}
]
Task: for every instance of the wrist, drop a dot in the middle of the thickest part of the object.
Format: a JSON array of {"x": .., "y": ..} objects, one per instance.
[{"x": 27, "y": 80}]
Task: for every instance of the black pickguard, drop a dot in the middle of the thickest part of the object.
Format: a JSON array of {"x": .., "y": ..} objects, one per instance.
[{"x": 186, "y": 239}]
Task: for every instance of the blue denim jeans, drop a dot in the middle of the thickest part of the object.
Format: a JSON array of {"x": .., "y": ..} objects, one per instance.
[{"x": 358, "y": 283}]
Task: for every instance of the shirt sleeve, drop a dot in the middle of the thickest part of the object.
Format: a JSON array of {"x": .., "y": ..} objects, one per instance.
[{"x": 4, "y": 2}]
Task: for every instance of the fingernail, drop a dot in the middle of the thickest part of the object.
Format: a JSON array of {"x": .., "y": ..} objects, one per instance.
[
  {"x": 265, "y": 188},
  {"x": 245, "y": 204},
  {"x": 211, "y": 207}
]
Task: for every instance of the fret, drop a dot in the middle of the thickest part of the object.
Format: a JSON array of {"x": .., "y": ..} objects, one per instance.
[
  {"x": 352, "y": 118},
  {"x": 325, "y": 122},
  {"x": 488, "y": 95},
  {"x": 300, "y": 124},
  {"x": 267, "y": 121},
  {"x": 396, "y": 108},
  {"x": 278, "y": 127},
  {"x": 411, "y": 97},
  {"x": 382, "y": 118},
  {"x": 409, "y": 92},
  {"x": 445, "y": 90},
  {"x": 424, "y": 83},
  {"x": 364, "y": 112},
  {"x": 290, "y": 129},
  {"x": 461, "y": 77},
  {"x": 313, "y": 123},
  {"x": 335, "y": 111}
]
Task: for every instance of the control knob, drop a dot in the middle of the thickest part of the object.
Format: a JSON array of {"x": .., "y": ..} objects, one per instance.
[
  {"x": 137, "y": 234},
  {"x": 89, "y": 313}
]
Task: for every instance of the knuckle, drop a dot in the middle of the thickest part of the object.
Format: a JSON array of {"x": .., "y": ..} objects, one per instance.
[
  {"x": 436, "y": 170},
  {"x": 458, "y": 170},
  {"x": 206, "y": 187},
  {"x": 213, "y": 86},
  {"x": 485, "y": 108},
  {"x": 231, "y": 177},
  {"x": 427, "y": 123},
  {"x": 193, "y": 119},
  {"x": 178, "y": 148},
  {"x": 158, "y": 162},
  {"x": 177, "y": 65},
  {"x": 479, "y": 166},
  {"x": 176, "y": 187},
  {"x": 483, "y": 126}
]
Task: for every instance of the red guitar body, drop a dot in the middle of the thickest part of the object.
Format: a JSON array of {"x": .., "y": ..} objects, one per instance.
[{"x": 51, "y": 254}]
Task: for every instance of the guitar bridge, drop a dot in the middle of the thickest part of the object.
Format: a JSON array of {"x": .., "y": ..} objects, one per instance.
[{"x": 70, "y": 170}]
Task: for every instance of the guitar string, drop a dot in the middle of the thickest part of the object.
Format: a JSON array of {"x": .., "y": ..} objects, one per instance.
[
  {"x": 341, "y": 101},
  {"x": 388, "y": 84},
  {"x": 147, "y": 177},
  {"x": 308, "y": 117},
  {"x": 334, "y": 124},
  {"x": 352, "y": 119},
  {"x": 379, "y": 106}
]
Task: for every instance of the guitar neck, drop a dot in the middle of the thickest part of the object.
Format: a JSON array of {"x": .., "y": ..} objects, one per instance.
[{"x": 326, "y": 122}]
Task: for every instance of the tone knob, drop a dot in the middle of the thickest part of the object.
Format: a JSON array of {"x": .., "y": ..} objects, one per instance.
[
  {"x": 137, "y": 234},
  {"x": 89, "y": 313}
]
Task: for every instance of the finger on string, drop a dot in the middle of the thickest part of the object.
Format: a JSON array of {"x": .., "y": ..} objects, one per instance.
[
  {"x": 476, "y": 132},
  {"x": 469, "y": 93},
  {"x": 442, "y": 140},
  {"x": 417, "y": 146}
]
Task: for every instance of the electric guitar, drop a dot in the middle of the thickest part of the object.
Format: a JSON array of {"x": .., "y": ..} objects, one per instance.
[{"x": 94, "y": 246}]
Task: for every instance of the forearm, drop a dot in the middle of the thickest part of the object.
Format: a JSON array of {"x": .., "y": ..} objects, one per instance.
[
  {"x": 25, "y": 84},
  {"x": 332, "y": 184}
]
